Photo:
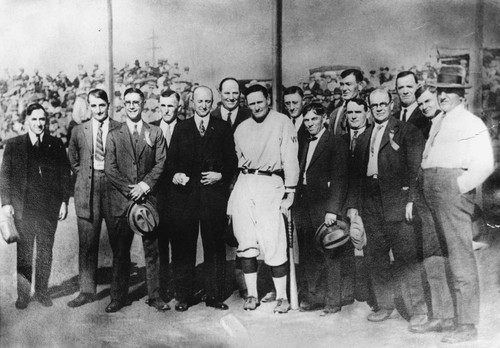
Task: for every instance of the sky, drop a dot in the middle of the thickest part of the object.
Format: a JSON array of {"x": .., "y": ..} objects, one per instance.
[{"x": 218, "y": 38}]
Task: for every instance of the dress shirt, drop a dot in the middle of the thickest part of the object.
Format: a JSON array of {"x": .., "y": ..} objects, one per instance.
[
  {"x": 310, "y": 151},
  {"x": 359, "y": 130},
  {"x": 298, "y": 122},
  {"x": 164, "y": 126},
  {"x": 33, "y": 137},
  {"x": 99, "y": 165},
  {"x": 224, "y": 112},
  {"x": 131, "y": 125},
  {"x": 198, "y": 119},
  {"x": 462, "y": 141},
  {"x": 409, "y": 111},
  {"x": 373, "y": 159}
]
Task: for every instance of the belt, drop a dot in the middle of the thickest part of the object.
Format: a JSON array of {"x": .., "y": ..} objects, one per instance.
[{"x": 258, "y": 172}]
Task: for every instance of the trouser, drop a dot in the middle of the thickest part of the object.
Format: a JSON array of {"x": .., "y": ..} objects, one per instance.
[
  {"x": 164, "y": 230},
  {"x": 121, "y": 237},
  {"x": 435, "y": 260},
  {"x": 404, "y": 278},
  {"x": 34, "y": 226},
  {"x": 452, "y": 213},
  {"x": 184, "y": 238},
  {"x": 89, "y": 231}
]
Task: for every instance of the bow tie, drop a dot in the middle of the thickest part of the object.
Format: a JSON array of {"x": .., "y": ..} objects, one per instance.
[{"x": 312, "y": 138}]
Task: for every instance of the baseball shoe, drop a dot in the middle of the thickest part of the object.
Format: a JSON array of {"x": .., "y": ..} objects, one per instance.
[
  {"x": 251, "y": 303},
  {"x": 269, "y": 297},
  {"x": 282, "y": 307}
]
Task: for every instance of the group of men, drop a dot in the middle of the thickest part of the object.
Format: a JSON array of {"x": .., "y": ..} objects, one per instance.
[{"x": 410, "y": 176}]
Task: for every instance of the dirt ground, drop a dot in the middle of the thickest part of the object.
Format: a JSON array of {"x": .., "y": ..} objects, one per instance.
[{"x": 139, "y": 325}]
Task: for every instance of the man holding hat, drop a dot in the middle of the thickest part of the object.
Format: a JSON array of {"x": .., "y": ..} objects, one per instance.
[
  {"x": 458, "y": 157},
  {"x": 134, "y": 160},
  {"x": 86, "y": 155},
  {"x": 321, "y": 193}
]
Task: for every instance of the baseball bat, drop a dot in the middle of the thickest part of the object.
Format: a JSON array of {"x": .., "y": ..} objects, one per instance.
[{"x": 294, "y": 298}]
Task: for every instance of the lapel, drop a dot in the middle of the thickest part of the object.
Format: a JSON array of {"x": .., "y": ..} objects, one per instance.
[
  {"x": 87, "y": 132},
  {"x": 303, "y": 158},
  {"x": 126, "y": 140},
  {"x": 392, "y": 126},
  {"x": 141, "y": 145},
  {"x": 320, "y": 147},
  {"x": 24, "y": 158}
]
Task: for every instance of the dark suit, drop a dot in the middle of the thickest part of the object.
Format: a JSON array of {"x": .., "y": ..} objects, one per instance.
[
  {"x": 243, "y": 114},
  {"x": 126, "y": 164},
  {"x": 92, "y": 203},
  {"x": 418, "y": 119},
  {"x": 326, "y": 190},
  {"x": 343, "y": 126},
  {"x": 35, "y": 181},
  {"x": 196, "y": 205},
  {"x": 382, "y": 202}
]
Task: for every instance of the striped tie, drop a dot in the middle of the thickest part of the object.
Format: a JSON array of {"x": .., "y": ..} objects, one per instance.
[{"x": 99, "y": 152}]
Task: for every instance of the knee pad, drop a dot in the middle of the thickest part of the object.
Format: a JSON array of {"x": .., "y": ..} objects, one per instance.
[
  {"x": 249, "y": 264},
  {"x": 279, "y": 271}
]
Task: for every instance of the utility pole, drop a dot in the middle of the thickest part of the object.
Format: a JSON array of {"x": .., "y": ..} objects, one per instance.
[
  {"x": 111, "y": 84},
  {"x": 277, "y": 50},
  {"x": 153, "y": 48},
  {"x": 476, "y": 65}
]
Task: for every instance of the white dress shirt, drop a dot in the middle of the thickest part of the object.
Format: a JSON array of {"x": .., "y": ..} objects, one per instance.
[
  {"x": 33, "y": 137},
  {"x": 198, "y": 119},
  {"x": 373, "y": 159},
  {"x": 298, "y": 122},
  {"x": 409, "y": 111},
  {"x": 310, "y": 152},
  {"x": 99, "y": 165},
  {"x": 167, "y": 126},
  {"x": 224, "y": 113}
]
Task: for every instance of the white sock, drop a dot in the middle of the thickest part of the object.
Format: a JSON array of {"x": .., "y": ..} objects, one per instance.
[
  {"x": 251, "y": 281},
  {"x": 280, "y": 286}
]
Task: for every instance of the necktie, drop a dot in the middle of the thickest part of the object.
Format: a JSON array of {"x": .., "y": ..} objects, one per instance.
[
  {"x": 353, "y": 140},
  {"x": 202, "y": 128},
  {"x": 404, "y": 115},
  {"x": 99, "y": 151},
  {"x": 294, "y": 120},
  {"x": 312, "y": 138},
  {"x": 229, "y": 119},
  {"x": 168, "y": 134},
  {"x": 38, "y": 141},
  {"x": 135, "y": 136},
  {"x": 374, "y": 137}
]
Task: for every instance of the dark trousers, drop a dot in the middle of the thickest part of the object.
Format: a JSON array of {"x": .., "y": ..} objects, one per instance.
[
  {"x": 435, "y": 260},
  {"x": 404, "y": 278},
  {"x": 89, "y": 231},
  {"x": 452, "y": 212},
  {"x": 34, "y": 226},
  {"x": 184, "y": 239},
  {"x": 326, "y": 278},
  {"x": 166, "y": 284},
  {"x": 121, "y": 237}
]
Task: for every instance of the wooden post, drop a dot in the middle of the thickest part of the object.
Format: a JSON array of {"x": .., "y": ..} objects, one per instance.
[
  {"x": 277, "y": 62},
  {"x": 111, "y": 85},
  {"x": 476, "y": 66}
]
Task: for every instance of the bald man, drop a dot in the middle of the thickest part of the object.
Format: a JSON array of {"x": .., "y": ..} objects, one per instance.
[{"x": 200, "y": 165}]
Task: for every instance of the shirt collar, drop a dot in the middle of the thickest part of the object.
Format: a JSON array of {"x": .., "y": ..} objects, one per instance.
[
  {"x": 198, "y": 119},
  {"x": 131, "y": 125},
  {"x": 359, "y": 130},
  {"x": 410, "y": 109},
  {"x": 225, "y": 111},
  {"x": 33, "y": 137},
  {"x": 96, "y": 123},
  {"x": 165, "y": 124}
]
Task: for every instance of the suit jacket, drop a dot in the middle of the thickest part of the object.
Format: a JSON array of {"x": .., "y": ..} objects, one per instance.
[
  {"x": 302, "y": 136},
  {"x": 343, "y": 125},
  {"x": 418, "y": 119},
  {"x": 216, "y": 153},
  {"x": 399, "y": 159},
  {"x": 81, "y": 158},
  {"x": 243, "y": 114},
  {"x": 326, "y": 176},
  {"x": 125, "y": 166},
  {"x": 54, "y": 169}
]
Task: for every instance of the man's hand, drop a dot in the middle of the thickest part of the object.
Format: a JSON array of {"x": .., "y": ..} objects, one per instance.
[
  {"x": 136, "y": 192},
  {"x": 351, "y": 213},
  {"x": 409, "y": 212},
  {"x": 286, "y": 203},
  {"x": 8, "y": 210},
  {"x": 210, "y": 178},
  {"x": 180, "y": 179},
  {"x": 63, "y": 211},
  {"x": 330, "y": 219}
]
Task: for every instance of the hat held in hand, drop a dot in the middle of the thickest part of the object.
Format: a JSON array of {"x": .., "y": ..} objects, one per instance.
[
  {"x": 329, "y": 238},
  {"x": 143, "y": 217}
]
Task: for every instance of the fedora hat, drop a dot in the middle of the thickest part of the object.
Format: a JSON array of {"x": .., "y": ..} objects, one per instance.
[
  {"x": 451, "y": 76},
  {"x": 329, "y": 238},
  {"x": 143, "y": 217}
]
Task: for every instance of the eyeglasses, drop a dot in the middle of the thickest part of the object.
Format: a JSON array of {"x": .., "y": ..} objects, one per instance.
[
  {"x": 134, "y": 102},
  {"x": 383, "y": 105}
]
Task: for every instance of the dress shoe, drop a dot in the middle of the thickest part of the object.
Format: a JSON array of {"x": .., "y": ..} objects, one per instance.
[
  {"x": 181, "y": 306},
  {"x": 306, "y": 306},
  {"x": 269, "y": 297},
  {"x": 434, "y": 325},
  {"x": 463, "y": 333},
  {"x": 251, "y": 303},
  {"x": 158, "y": 303},
  {"x": 44, "y": 299},
  {"x": 380, "y": 315},
  {"x": 212, "y": 302},
  {"x": 22, "y": 303},
  {"x": 329, "y": 309},
  {"x": 282, "y": 307},
  {"x": 114, "y": 306},
  {"x": 81, "y": 299},
  {"x": 417, "y": 320}
]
